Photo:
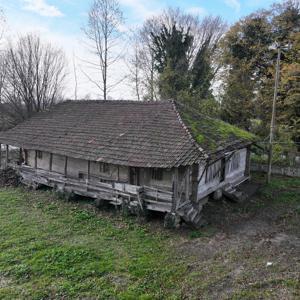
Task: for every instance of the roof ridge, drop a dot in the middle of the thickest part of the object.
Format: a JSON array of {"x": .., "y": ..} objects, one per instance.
[
  {"x": 186, "y": 129},
  {"x": 116, "y": 101}
]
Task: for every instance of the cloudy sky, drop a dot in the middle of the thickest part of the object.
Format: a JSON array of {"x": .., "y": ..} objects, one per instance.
[{"x": 60, "y": 22}]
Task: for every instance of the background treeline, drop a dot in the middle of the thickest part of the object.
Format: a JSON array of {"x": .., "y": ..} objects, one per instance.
[
  {"x": 221, "y": 71},
  {"x": 225, "y": 72}
]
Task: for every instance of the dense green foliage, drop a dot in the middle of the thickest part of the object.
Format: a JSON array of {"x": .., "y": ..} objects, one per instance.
[
  {"x": 249, "y": 58},
  {"x": 170, "y": 49}
]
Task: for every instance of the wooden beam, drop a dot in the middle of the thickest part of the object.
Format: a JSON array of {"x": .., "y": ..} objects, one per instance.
[
  {"x": 20, "y": 156},
  {"x": 89, "y": 170},
  {"x": 248, "y": 162},
  {"x": 195, "y": 174},
  {"x": 7, "y": 156},
  {"x": 175, "y": 189},
  {"x": 187, "y": 183},
  {"x": 66, "y": 165},
  {"x": 35, "y": 159},
  {"x": 50, "y": 162},
  {"x": 26, "y": 156}
]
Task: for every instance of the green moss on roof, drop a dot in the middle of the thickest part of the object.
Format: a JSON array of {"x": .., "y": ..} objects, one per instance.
[{"x": 212, "y": 133}]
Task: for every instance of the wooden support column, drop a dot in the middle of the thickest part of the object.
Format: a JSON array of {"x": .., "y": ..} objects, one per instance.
[
  {"x": 175, "y": 190},
  {"x": 187, "y": 183},
  {"x": 50, "y": 162},
  {"x": 194, "y": 184},
  {"x": 89, "y": 170},
  {"x": 7, "y": 156},
  {"x": 20, "y": 156},
  {"x": 248, "y": 162},
  {"x": 26, "y": 156},
  {"x": 66, "y": 165},
  {"x": 35, "y": 159}
]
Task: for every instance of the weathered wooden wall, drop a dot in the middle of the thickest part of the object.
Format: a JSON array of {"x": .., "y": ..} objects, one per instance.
[
  {"x": 76, "y": 166},
  {"x": 232, "y": 174}
]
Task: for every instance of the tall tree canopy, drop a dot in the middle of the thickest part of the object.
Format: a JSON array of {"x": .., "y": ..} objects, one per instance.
[
  {"x": 249, "y": 55},
  {"x": 181, "y": 50}
]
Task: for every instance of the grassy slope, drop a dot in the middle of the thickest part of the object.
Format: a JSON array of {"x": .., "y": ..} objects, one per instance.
[{"x": 54, "y": 249}]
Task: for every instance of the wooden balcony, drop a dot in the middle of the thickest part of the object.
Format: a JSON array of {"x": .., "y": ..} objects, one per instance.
[{"x": 116, "y": 193}]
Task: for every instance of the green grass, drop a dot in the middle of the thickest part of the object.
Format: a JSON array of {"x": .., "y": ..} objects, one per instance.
[
  {"x": 54, "y": 249},
  {"x": 283, "y": 191}
]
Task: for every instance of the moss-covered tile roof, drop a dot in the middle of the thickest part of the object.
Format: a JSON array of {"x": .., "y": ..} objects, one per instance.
[{"x": 212, "y": 134}]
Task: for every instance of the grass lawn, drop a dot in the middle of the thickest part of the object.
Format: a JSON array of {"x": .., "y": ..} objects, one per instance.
[{"x": 53, "y": 249}]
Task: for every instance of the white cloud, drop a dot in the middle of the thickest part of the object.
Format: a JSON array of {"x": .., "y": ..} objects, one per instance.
[
  {"x": 235, "y": 4},
  {"x": 141, "y": 8},
  {"x": 196, "y": 10},
  {"x": 42, "y": 8}
]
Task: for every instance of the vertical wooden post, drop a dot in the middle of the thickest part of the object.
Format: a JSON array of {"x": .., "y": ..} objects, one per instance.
[
  {"x": 20, "y": 156},
  {"x": 89, "y": 169},
  {"x": 50, "y": 162},
  {"x": 194, "y": 184},
  {"x": 35, "y": 159},
  {"x": 187, "y": 183},
  {"x": 26, "y": 156},
  {"x": 7, "y": 156},
  {"x": 175, "y": 190},
  {"x": 247, "y": 169},
  {"x": 66, "y": 165}
]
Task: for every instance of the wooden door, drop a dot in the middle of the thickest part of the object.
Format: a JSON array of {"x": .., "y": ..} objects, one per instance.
[{"x": 134, "y": 176}]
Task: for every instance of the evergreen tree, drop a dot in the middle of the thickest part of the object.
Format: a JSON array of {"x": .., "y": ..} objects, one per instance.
[{"x": 170, "y": 49}]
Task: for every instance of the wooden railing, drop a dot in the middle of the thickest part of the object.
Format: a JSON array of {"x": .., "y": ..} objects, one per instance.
[{"x": 152, "y": 198}]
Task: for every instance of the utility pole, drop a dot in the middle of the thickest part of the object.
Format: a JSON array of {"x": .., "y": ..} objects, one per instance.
[{"x": 272, "y": 127}]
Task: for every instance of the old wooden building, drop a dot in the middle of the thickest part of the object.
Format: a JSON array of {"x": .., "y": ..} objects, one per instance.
[{"x": 158, "y": 156}]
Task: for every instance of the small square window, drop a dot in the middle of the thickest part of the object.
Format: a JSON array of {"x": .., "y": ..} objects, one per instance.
[
  {"x": 39, "y": 154},
  {"x": 104, "y": 167},
  {"x": 157, "y": 174},
  {"x": 80, "y": 175}
]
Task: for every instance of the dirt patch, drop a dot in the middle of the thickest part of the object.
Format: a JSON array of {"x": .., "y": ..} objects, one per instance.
[
  {"x": 4, "y": 282},
  {"x": 254, "y": 252}
]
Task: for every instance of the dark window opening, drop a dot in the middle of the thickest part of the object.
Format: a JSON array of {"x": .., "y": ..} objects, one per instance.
[
  {"x": 157, "y": 174},
  {"x": 39, "y": 154},
  {"x": 104, "y": 168},
  {"x": 80, "y": 175}
]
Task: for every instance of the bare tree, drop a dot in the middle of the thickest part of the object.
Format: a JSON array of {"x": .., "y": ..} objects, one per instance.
[
  {"x": 134, "y": 71},
  {"x": 103, "y": 34},
  {"x": 34, "y": 78},
  {"x": 75, "y": 78},
  {"x": 2, "y": 55},
  {"x": 141, "y": 63}
]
